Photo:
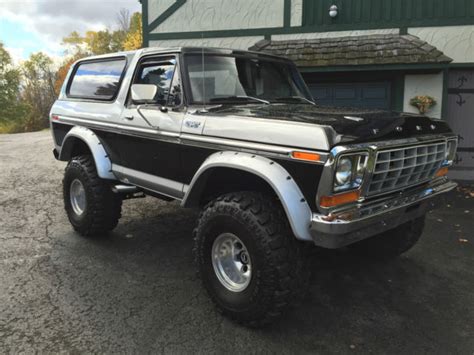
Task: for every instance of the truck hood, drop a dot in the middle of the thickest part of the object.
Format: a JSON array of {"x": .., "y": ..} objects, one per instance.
[{"x": 348, "y": 125}]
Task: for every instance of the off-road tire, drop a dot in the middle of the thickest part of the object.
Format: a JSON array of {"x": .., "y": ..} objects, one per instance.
[
  {"x": 280, "y": 272},
  {"x": 103, "y": 206},
  {"x": 392, "y": 243}
]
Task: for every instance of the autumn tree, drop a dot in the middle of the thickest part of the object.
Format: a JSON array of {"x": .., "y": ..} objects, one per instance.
[
  {"x": 127, "y": 36},
  {"x": 134, "y": 38},
  {"x": 63, "y": 71}
]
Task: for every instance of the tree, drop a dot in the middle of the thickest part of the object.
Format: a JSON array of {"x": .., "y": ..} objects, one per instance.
[
  {"x": 134, "y": 38},
  {"x": 123, "y": 20},
  {"x": 12, "y": 111},
  {"x": 38, "y": 89},
  {"x": 63, "y": 71},
  {"x": 128, "y": 36},
  {"x": 98, "y": 42}
]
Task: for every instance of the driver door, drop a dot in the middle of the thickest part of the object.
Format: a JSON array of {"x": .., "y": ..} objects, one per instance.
[{"x": 149, "y": 149}]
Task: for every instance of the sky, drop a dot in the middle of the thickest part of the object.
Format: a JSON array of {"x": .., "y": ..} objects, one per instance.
[{"x": 29, "y": 26}]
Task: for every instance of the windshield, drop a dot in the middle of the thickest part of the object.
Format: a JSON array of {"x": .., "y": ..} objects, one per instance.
[{"x": 238, "y": 79}]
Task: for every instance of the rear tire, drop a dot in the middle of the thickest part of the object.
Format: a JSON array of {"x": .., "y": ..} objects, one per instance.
[
  {"x": 91, "y": 205},
  {"x": 392, "y": 243},
  {"x": 273, "y": 271}
]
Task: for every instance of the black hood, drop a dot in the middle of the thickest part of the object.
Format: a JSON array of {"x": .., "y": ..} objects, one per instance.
[{"x": 351, "y": 125}]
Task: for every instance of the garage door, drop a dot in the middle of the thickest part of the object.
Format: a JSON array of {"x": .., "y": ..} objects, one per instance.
[{"x": 369, "y": 95}]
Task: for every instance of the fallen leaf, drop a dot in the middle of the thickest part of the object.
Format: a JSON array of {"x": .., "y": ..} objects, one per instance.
[
  {"x": 466, "y": 211},
  {"x": 439, "y": 220},
  {"x": 471, "y": 193},
  {"x": 463, "y": 240},
  {"x": 352, "y": 346}
]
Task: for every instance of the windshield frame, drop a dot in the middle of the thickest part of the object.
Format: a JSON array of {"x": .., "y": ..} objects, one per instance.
[{"x": 186, "y": 82}]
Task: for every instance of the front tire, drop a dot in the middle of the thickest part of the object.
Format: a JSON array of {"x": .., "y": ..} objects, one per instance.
[
  {"x": 392, "y": 243},
  {"x": 91, "y": 205},
  {"x": 249, "y": 262}
]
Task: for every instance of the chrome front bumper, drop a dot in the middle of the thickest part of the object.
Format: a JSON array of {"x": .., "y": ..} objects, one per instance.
[{"x": 355, "y": 223}]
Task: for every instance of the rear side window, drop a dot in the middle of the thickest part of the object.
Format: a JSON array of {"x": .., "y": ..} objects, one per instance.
[{"x": 97, "y": 80}]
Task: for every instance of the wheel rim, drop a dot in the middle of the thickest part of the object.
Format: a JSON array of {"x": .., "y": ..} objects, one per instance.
[
  {"x": 77, "y": 195},
  {"x": 231, "y": 262}
]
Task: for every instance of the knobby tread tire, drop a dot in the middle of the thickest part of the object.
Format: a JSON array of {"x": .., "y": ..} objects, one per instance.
[
  {"x": 104, "y": 207},
  {"x": 392, "y": 243},
  {"x": 282, "y": 275}
]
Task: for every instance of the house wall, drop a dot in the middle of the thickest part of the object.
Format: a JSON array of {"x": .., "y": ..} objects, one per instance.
[
  {"x": 456, "y": 42},
  {"x": 225, "y": 24},
  {"x": 211, "y": 15},
  {"x": 425, "y": 84}
]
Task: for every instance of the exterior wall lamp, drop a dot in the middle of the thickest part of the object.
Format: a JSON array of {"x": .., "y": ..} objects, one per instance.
[{"x": 333, "y": 11}]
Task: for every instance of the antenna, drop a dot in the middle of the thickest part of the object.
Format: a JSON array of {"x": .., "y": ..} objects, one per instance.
[{"x": 203, "y": 76}]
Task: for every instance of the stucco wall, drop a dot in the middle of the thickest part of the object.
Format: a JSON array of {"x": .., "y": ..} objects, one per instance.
[
  {"x": 156, "y": 8},
  {"x": 456, "y": 42},
  {"x": 424, "y": 84},
  {"x": 225, "y": 42},
  {"x": 212, "y": 15},
  {"x": 296, "y": 13}
]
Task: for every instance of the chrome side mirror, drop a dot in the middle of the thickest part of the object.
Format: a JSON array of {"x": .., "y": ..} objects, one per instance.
[{"x": 143, "y": 93}]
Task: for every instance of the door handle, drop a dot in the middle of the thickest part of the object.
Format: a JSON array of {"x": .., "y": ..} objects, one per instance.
[{"x": 129, "y": 118}]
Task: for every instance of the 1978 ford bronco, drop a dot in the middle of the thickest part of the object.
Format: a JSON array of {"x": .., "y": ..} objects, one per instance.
[{"x": 237, "y": 134}]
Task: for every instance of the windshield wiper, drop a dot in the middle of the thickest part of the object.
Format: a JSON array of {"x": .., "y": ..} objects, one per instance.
[
  {"x": 299, "y": 98},
  {"x": 216, "y": 99}
]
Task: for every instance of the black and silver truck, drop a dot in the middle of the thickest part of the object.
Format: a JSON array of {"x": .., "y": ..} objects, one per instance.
[{"x": 238, "y": 135}]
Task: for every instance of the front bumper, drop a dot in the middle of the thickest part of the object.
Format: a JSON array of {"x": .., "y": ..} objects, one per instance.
[{"x": 350, "y": 225}]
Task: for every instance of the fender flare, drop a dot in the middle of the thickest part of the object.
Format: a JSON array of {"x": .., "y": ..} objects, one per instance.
[
  {"x": 101, "y": 158},
  {"x": 294, "y": 203}
]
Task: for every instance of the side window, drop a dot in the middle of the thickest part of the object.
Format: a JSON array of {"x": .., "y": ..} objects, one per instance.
[
  {"x": 164, "y": 75},
  {"x": 97, "y": 80}
]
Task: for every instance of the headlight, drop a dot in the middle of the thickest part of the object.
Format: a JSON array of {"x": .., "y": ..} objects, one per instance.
[
  {"x": 450, "y": 152},
  {"x": 344, "y": 171},
  {"x": 350, "y": 171}
]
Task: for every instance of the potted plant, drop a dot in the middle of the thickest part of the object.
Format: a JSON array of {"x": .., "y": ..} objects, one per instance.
[{"x": 423, "y": 103}]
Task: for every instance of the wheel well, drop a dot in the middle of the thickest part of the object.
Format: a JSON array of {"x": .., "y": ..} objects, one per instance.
[
  {"x": 219, "y": 181},
  {"x": 74, "y": 147}
]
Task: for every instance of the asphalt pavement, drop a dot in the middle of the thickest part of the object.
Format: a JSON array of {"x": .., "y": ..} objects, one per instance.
[{"x": 135, "y": 291}]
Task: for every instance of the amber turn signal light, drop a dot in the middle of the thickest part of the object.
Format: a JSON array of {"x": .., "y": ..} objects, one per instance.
[
  {"x": 331, "y": 201},
  {"x": 442, "y": 172},
  {"x": 306, "y": 156}
]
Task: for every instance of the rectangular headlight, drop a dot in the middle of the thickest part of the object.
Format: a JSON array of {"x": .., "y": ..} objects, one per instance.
[
  {"x": 450, "y": 152},
  {"x": 350, "y": 171}
]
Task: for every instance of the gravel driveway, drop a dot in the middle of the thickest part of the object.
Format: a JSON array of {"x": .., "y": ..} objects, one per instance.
[{"x": 135, "y": 291}]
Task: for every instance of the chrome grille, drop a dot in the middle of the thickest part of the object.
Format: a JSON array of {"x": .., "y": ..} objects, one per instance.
[{"x": 402, "y": 167}]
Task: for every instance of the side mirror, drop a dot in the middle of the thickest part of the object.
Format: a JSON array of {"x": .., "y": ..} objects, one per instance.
[{"x": 144, "y": 93}]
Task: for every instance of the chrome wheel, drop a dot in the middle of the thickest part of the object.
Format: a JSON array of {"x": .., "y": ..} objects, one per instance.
[
  {"x": 231, "y": 262},
  {"x": 77, "y": 195}
]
